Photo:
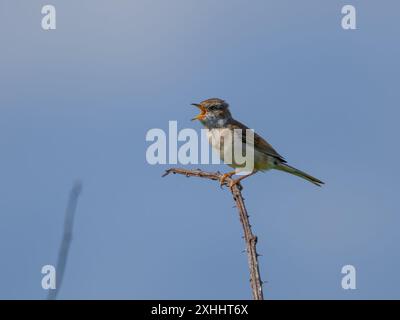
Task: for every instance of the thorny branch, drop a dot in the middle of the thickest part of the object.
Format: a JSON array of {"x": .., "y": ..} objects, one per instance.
[{"x": 250, "y": 238}]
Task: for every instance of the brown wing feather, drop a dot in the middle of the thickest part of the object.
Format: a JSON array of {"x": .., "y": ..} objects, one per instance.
[{"x": 262, "y": 145}]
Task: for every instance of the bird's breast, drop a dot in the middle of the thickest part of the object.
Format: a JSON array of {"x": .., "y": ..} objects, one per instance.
[
  {"x": 221, "y": 139},
  {"x": 224, "y": 141}
]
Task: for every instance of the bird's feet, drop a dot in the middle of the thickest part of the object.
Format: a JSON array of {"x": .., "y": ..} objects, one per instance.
[
  {"x": 224, "y": 177},
  {"x": 234, "y": 182}
]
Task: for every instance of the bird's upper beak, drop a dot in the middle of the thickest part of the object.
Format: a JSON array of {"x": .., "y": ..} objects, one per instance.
[{"x": 202, "y": 113}]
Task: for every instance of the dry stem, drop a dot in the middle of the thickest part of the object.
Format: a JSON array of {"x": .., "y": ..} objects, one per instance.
[{"x": 250, "y": 238}]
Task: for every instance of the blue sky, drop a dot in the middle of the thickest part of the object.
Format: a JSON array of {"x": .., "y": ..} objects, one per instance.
[{"x": 76, "y": 103}]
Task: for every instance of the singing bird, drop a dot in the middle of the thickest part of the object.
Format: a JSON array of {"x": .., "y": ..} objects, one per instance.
[{"x": 216, "y": 117}]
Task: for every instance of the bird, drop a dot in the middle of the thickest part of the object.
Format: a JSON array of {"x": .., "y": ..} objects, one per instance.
[{"x": 216, "y": 117}]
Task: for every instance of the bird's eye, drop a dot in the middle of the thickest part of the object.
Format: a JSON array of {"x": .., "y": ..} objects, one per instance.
[{"x": 213, "y": 108}]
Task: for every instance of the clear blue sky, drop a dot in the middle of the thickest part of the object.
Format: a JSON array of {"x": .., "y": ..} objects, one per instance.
[{"x": 77, "y": 102}]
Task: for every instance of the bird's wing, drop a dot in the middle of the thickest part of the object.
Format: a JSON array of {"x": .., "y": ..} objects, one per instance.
[{"x": 260, "y": 143}]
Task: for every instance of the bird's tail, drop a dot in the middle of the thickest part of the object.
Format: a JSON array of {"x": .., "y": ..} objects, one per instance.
[{"x": 285, "y": 167}]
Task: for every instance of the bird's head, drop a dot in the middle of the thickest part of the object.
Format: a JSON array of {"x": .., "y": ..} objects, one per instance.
[{"x": 214, "y": 112}]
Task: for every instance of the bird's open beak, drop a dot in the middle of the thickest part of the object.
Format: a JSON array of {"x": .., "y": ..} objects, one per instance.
[{"x": 202, "y": 113}]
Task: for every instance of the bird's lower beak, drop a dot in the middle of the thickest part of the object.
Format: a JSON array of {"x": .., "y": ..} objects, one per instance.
[{"x": 202, "y": 113}]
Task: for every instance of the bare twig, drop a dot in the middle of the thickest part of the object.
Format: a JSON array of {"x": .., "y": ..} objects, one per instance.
[
  {"x": 250, "y": 238},
  {"x": 67, "y": 237}
]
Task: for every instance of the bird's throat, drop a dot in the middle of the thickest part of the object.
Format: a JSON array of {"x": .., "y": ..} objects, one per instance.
[{"x": 214, "y": 123}]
